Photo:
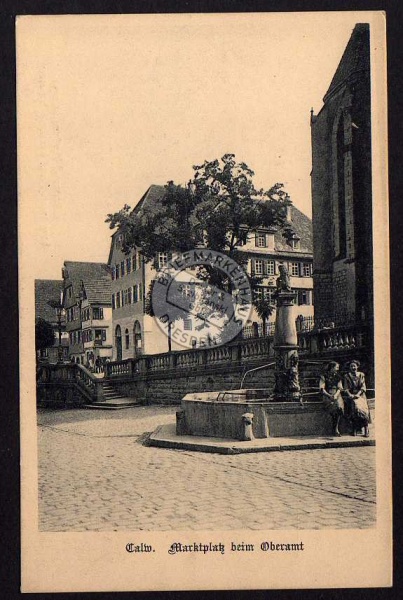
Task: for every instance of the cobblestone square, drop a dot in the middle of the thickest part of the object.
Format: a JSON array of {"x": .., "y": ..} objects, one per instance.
[{"x": 96, "y": 475}]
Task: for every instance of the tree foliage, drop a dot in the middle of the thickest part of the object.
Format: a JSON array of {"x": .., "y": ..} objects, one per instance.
[
  {"x": 218, "y": 209},
  {"x": 264, "y": 309},
  {"x": 44, "y": 334}
]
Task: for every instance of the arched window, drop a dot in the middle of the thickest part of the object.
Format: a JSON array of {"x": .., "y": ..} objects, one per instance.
[
  {"x": 127, "y": 339},
  {"x": 118, "y": 342},
  {"x": 137, "y": 339},
  {"x": 341, "y": 190}
]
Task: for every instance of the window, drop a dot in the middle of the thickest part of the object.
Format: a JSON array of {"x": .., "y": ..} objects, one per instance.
[
  {"x": 128, "y": 265},
  {"x": 125, "y": 297},
  {"x": 258, "y": 267},
  {"x": 119, "y": 241},
  {"x": 265, "y": 293},
  {"x": 187, "y": 324},
  {"x": 117, "y": 271},
  {"x": 140, "y": 292},
  {"x": 135, "y": 294},
  {"x": 307, "y": 270},
  {"x": 113, "y": 302},
  {"x": 270, "y": 268},
  {"x": 113, "y": 273},
  {"x": 127, "y": 339},
  {"x": 97, "y": 313},
  {"x": 162, "y": 259},
  {"x": 117, "y": 299},
  {"x": 270, "y": 295},
  {"x": 304, "y": 297},
  {"x": 122, "y": 268},
  {"x": 100, "y": 335},
  {"x": 129, "y": 295},
  {"x": 294, "y": 269},
  {"x": 260, "y": 240},
  {"x": 187, "y": 291},
  {"x": 243, "y": 238},
  {"x": 134, "y": 261},
  {"x": 259, "y": 293}
]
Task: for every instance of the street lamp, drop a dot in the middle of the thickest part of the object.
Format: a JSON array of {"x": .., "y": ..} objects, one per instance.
[{"x": 58, "y": 306}]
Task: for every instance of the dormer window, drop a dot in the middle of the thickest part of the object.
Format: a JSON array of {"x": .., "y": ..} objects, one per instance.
[
  {"x": 294, "y": 242},
  {"x": 260, "y": 240}
]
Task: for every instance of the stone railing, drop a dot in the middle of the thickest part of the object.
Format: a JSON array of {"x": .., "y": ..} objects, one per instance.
[
  {"x": 121, "y": 368},
  {"x": 339, "y": 341},
  {"x": 71, "y": 374},
  {"x": 239, "y": 352},
  {"x": 335, "y": 339}
]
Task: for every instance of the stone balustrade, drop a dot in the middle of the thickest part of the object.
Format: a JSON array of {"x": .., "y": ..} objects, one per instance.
[{"x": 335, "y": 339}]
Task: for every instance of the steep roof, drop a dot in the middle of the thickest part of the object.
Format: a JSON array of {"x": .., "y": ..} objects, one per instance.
[
  {"x": 301, "y": 226},
  {"x": 150, "y": 200},
  {"x": 95, "y": 277},
  {"x": 45, "y": 290},
  {"x": 356, "y": 58}
]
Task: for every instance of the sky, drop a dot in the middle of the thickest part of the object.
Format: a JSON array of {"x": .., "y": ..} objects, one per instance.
[{"x": 109, "y": 104}]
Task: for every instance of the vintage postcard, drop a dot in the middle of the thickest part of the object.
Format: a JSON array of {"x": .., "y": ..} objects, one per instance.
[{"x": 204, "y": 301}]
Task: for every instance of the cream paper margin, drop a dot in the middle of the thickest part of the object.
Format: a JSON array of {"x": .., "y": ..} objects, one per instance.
[{"x": 71, "y": 562}]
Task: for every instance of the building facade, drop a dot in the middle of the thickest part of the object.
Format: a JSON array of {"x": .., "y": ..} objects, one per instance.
[
  {"x": 135, "y": 332},
  {"x": 342, "y": 190},
  {"x": 87, "y": 302},
  {"x": 289, "y": 246}
]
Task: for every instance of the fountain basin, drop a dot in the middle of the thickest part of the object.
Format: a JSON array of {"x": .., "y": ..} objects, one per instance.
[{"x": 221, "y": 415}]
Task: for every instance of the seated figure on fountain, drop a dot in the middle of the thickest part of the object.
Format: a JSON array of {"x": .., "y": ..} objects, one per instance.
[{"x": 331, "y": 388}]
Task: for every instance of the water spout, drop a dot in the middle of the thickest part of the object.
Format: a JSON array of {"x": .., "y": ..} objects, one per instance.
[{"x": 256, "y": 369}]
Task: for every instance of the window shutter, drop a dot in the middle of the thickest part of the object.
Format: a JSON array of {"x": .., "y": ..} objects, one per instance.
[{"x": 103, "y": 335}]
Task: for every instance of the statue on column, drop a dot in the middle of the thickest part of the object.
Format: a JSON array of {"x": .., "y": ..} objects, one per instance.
[{"x": 283, "y": 283}]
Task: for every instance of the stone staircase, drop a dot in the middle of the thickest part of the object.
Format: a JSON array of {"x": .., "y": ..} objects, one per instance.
[{"x": 113, "y": 400}]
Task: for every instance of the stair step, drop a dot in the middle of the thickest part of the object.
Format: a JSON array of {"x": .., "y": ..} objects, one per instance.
[{"x": 115, "y": 404}]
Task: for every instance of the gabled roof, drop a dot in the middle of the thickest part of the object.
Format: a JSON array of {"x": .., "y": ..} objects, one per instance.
[
  {"x": 45, "y": 290},
  {"x": 301, "y": 225},
  {"x": 95, "y": 277},
  {"x": 150, "y": 200},
  {"x": 356, "y": 58}
]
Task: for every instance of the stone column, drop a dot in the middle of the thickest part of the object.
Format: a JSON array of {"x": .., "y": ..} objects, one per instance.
[{"x": 287, "y": 386}]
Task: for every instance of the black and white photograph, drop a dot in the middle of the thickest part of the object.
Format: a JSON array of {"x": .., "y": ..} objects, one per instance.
[{"x": 204, "y": 313}]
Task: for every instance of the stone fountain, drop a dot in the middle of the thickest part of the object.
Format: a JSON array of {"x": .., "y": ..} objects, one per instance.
[{"x": 248, "y": 414}]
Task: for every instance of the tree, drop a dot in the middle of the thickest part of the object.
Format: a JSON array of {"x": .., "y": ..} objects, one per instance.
[
  {"x": 44, "y": 334},
  {"x": 218, "y": 209},
  {"x": 264, "y": 309}
]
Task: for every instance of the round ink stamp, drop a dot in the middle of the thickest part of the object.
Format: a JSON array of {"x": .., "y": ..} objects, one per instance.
[{"x": 198, "y": 313}]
